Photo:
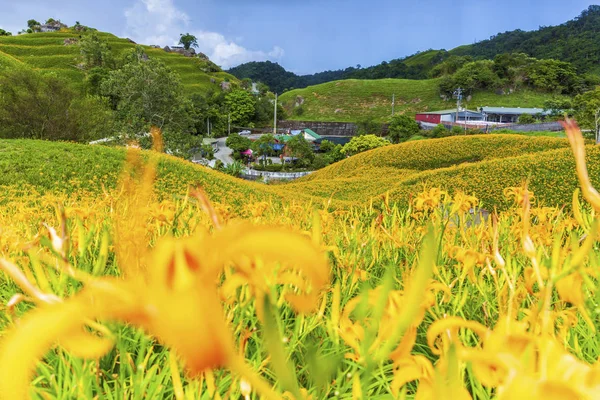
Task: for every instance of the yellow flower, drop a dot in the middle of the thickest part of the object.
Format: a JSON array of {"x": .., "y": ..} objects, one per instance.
[
  {"x": 172, "y": 291},
  {"x": 578, "y": 147}
]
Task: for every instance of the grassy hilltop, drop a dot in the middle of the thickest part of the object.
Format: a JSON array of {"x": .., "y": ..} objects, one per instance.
[
  {"x": 354, "y": 99},
  {"x": 48, "y": 52}
]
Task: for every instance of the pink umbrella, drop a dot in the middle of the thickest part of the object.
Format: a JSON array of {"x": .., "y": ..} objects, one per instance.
[{"x": 247, "y": 152}]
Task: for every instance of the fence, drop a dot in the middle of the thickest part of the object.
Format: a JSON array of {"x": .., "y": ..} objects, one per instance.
[
  {"x": 268, "y": 175},
  {"x": 544, "y": 126}
]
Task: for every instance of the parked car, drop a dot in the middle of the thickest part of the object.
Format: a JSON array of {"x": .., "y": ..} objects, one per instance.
[{"x": 245, "y": 133}]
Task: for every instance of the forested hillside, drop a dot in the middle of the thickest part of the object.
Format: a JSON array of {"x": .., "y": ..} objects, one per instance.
[{"x": 576, "y": 41}]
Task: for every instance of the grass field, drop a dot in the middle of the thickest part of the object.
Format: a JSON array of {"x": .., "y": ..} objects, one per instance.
[
  {"x": 352, "y": 100},
  {"x": 47, "y": 52},
  {"x": 275, "y": 292}
]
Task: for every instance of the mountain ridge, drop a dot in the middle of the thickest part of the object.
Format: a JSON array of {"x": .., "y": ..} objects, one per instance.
[{"x": 576, "y": 41}]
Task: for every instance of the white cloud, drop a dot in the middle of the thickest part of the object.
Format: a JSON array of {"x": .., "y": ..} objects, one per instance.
[{"x": 160, "y": 22}]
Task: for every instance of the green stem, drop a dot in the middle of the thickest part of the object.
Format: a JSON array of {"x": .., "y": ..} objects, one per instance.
[{"x": 260, "y": 385}]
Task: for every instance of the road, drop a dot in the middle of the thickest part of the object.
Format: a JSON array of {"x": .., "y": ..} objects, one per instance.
[{"x": 224, "y": 153}]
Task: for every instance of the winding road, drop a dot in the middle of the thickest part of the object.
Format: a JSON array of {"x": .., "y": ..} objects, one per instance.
[{"x": 224, "y": 153}]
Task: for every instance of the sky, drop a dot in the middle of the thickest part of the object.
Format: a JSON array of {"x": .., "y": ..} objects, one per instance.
[{"x": 304, "y": 36}]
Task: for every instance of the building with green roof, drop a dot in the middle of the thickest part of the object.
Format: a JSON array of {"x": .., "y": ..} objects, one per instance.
[{"x": 310, "y": 135}]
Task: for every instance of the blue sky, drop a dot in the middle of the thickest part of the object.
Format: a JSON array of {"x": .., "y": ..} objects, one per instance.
[{"x": 305, "y": 36}]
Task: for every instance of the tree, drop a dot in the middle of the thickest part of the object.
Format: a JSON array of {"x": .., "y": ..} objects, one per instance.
[
  {"x": 587, "y": 111},
  {"x": 559, "y": 106},
  {"x": 327, "y": 146},
  {"x": 298, "y": 147},
  {"x": 187, "y": 40},
  {"x": 5, "y": 33},
  {"x": 238, "y": 143},
  {"x": 476, "y": 75},
  {"x": 208, "y": 108},
  {"x": 554, "y": 76},
  {"x": 145, "y": 92},
  {"x": 33, "y": 24},
  {"x": 264, "y": 146},
  {"x": 241, "y": 106},
  {"x": 39, "y": 106},
  {"x": 358, "y": 144},
  {"x": 95, "y": 51},
  {"x": 401, "y": 128}
]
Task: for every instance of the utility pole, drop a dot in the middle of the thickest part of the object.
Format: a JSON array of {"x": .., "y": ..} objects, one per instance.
[
  {"x": 228, "y": 124},
  {"x": 208, "y": 126},
  {"x": 275, "y": 117},
  {"x": 393, "y": 102},
  {"x": 458, "y": 94}
]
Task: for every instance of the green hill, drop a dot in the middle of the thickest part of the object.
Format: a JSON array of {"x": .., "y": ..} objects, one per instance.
[
  {"x": 576, "y": 41},
  {"x": 356, "y": 99},
  {"x": 48, "y": 52}
]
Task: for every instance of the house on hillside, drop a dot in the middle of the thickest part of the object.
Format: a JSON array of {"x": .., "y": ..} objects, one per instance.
[
  {"x": 483, "y": 116},
  {"x": 52, "y": 26},
  {"x": 450, "y": 116},
  {"x": 510, "y": 115}
]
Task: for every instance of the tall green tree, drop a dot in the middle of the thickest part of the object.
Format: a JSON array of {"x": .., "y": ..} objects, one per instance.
[
  {"x": 299, "y": 148},
  {"x": 241, "y": 105},
  {"x": 587, "y": 111},
  {"x": 238, "y": 143},
  {"x": 95, "y": 52},
  {"x": 188, "y": 40},
  {"x": 144, "y": 92},
  {"x": 5, "y": 33},
  {"x": 401, "y": 128},
  {"x": 33, "y": 24},
  {"x": 263, "y": 147}
]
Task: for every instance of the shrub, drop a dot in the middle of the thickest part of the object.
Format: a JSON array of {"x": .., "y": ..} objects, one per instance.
[
  {"x": 401, "y": 128},
  {"x": 457, "y": 130},
  {"x": 526, "y": 119},
  {"x": 320, "y": 161},
  {"x": 438, "y": 132},
  {"x": 358, "y": 144}
]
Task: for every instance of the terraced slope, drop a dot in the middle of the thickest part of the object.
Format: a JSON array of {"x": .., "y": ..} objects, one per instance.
[
  {"x": 354, "y": 99},
  {"x": 47, "y": 51},
  {"x": 7, "y": 60}
]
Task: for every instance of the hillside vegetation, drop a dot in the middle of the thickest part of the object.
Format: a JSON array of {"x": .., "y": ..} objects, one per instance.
[
  {"x": 480, "y": 164},
  {"x": 48, "y": 52},
  {"x": 357, "y": 99}
]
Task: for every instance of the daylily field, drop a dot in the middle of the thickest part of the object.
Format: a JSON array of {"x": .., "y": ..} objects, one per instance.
[{"x": 134, "y": 275}]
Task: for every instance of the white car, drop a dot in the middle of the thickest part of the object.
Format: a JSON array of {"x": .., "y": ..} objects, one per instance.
[{"x": 244, "y": 133}]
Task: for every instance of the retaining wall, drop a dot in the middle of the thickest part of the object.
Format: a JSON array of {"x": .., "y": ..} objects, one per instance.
[{"x": 322, "y": 128}]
